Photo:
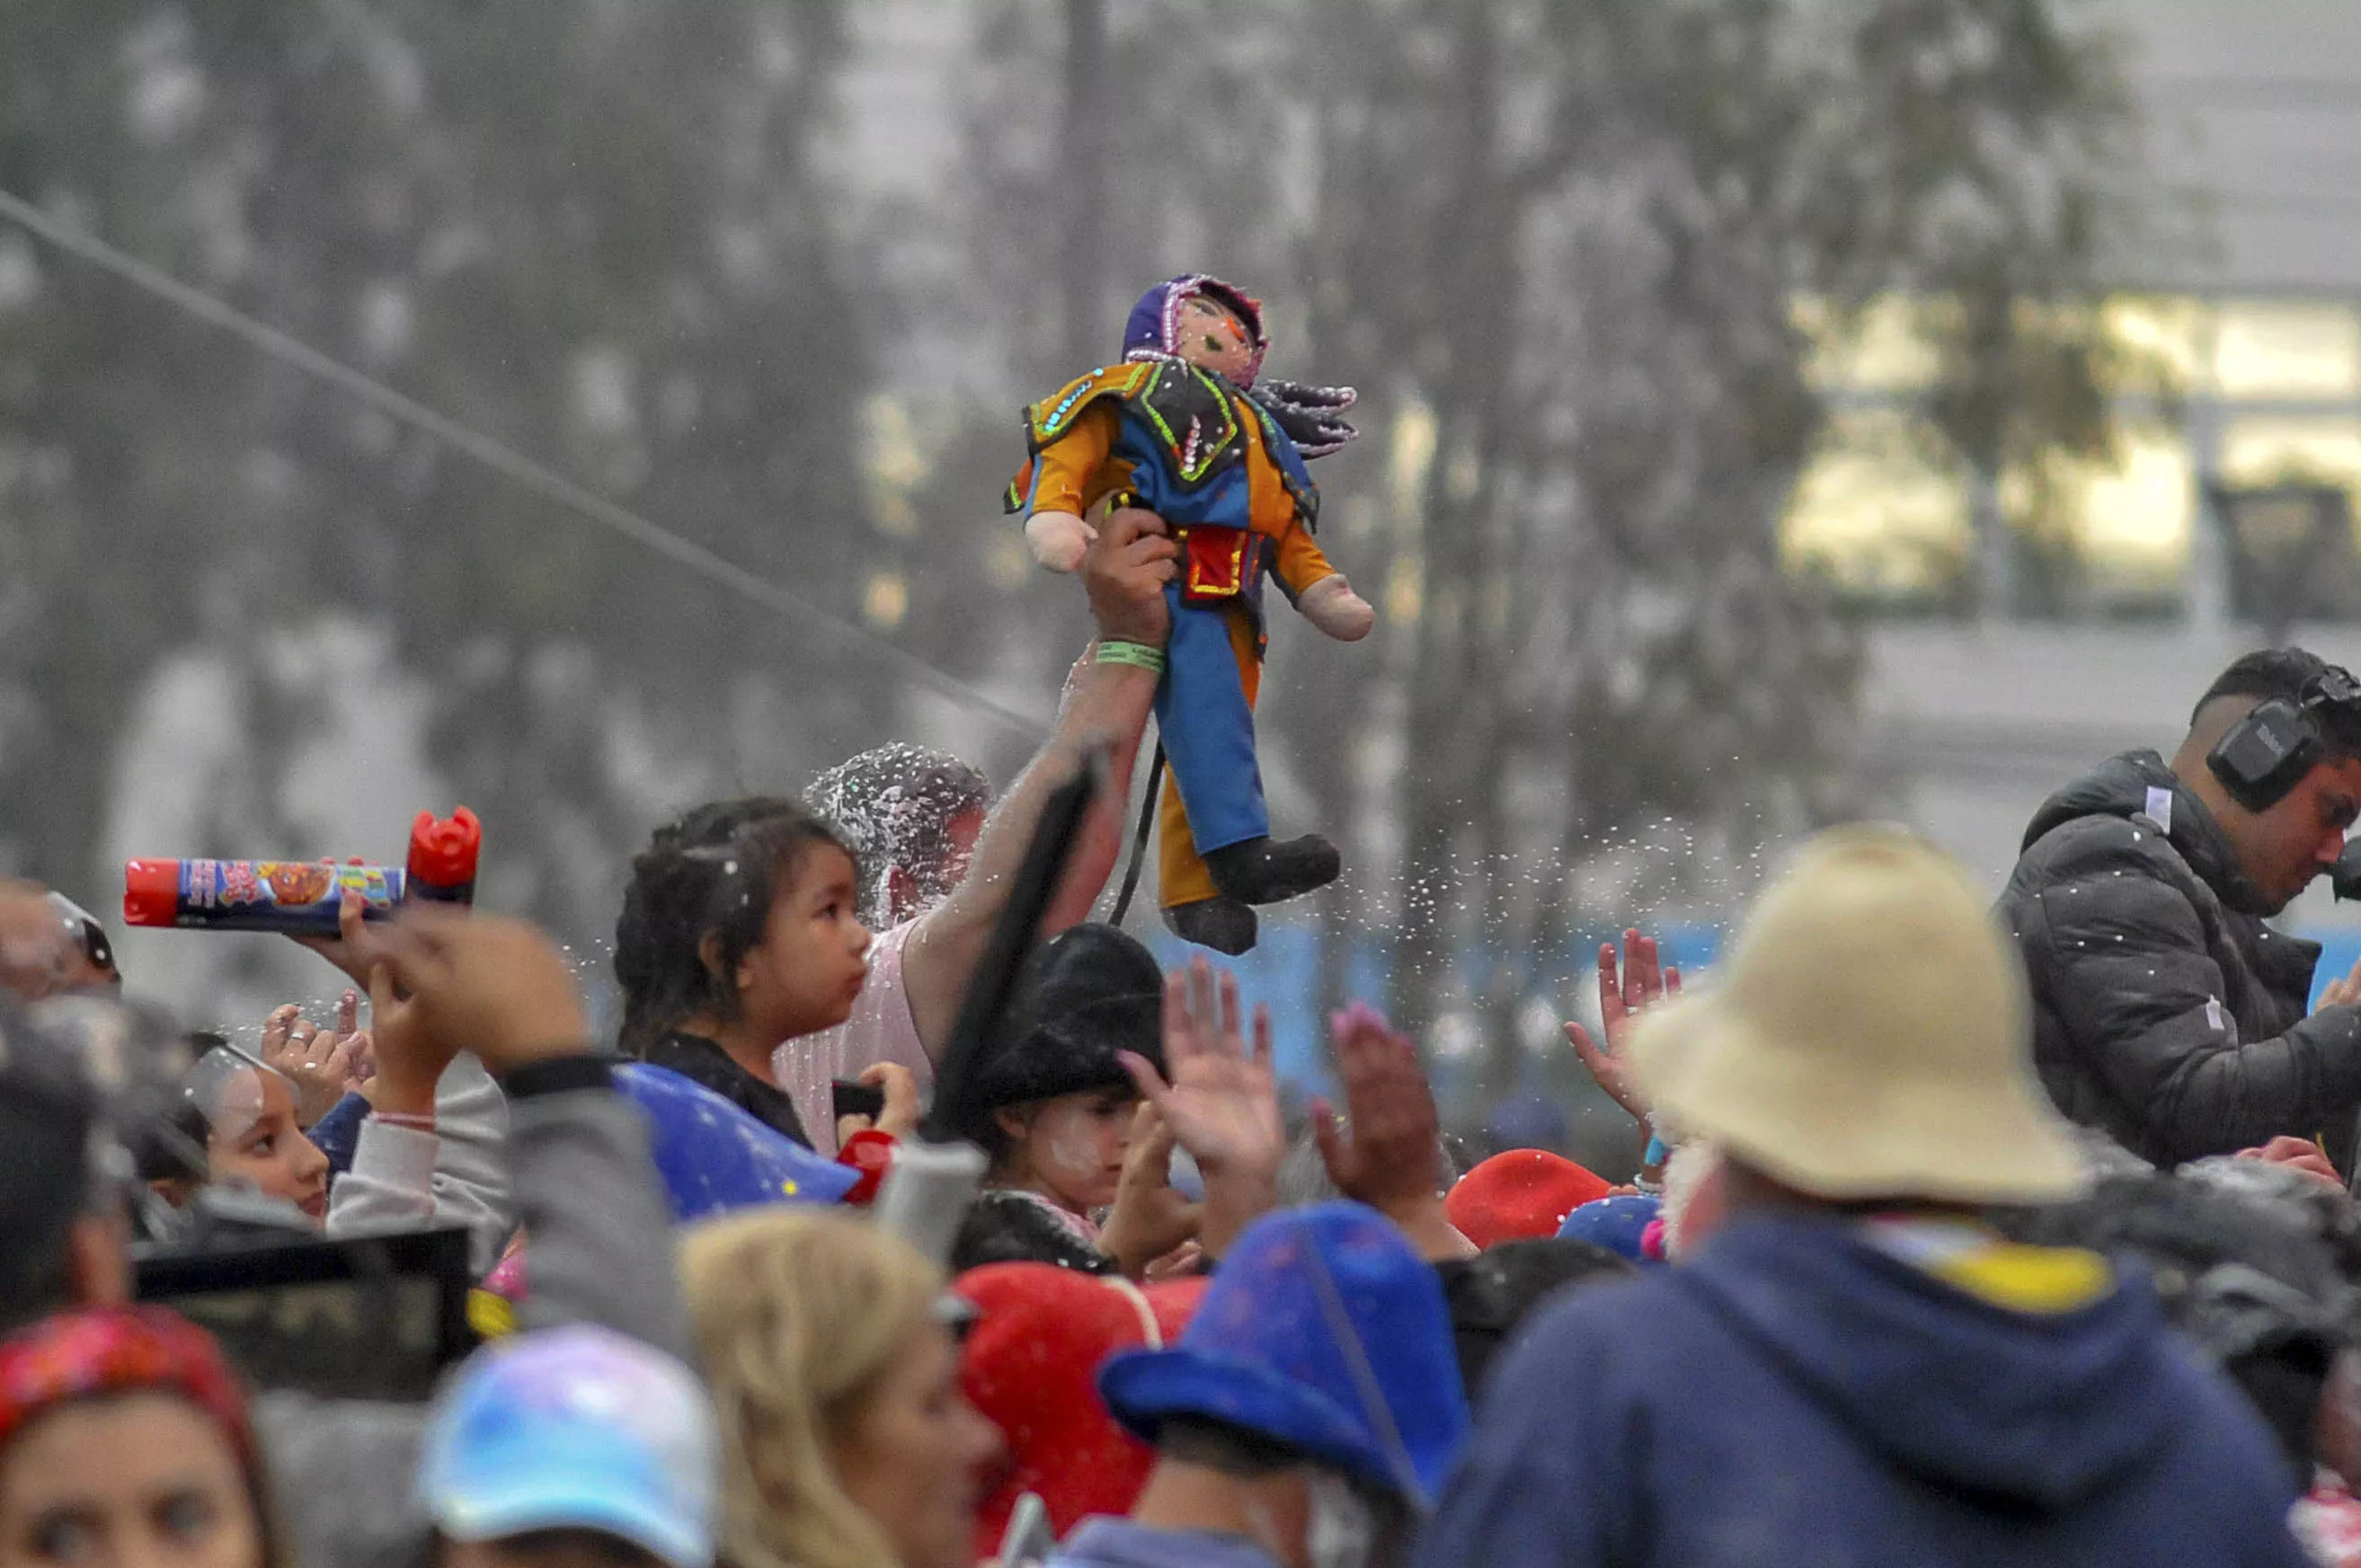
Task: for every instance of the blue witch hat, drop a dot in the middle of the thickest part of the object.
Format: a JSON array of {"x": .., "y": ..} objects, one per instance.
[
  {"x": 715, "y": 1157},
  {"x": 1324, "y": 1333}
]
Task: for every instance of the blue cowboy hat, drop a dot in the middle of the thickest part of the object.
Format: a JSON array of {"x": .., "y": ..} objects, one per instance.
[
  {"x": 715, "y": 1157},
  {"x": 1324, "y": 1333}
]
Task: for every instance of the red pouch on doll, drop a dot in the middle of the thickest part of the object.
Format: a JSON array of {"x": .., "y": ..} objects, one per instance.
[{"x": 1215, "y": 560}]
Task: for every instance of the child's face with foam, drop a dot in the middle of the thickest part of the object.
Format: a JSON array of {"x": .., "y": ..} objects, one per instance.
[
  {"x": 1070, "y": 1149},
  {"x": 1212, "y": 339}
]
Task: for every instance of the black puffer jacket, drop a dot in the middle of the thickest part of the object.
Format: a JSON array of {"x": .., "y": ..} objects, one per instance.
[{"x": 2166, "y": 1014}]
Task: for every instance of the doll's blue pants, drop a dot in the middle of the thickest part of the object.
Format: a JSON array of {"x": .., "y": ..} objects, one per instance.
[{"x": 1204, "y": 713}]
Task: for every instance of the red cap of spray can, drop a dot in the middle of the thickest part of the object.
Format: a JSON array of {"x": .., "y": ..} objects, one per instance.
[{"x": 443, "y": 854}]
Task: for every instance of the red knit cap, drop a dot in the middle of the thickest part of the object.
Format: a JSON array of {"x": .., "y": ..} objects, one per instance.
[
  {"x": 119, "y": 1350},
  {"x": 1031, "y": 1364},
  {"x": 1521, "y": 1195}
]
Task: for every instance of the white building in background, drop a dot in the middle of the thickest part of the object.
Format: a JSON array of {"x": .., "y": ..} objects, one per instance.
[{"x": 2254, "y": 115}]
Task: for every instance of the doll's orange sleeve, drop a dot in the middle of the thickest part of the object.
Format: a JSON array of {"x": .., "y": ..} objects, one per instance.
[
  {"x": 1298, "y": 562},
  {"x": 1301, "y": 562},
  {"x": 1073, "y": 471}
]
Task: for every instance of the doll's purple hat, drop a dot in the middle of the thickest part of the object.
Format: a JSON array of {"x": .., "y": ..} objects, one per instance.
[{"x": 1155, "y": 324}]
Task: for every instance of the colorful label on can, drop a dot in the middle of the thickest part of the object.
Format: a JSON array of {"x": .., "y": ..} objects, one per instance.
[{"x": 280, "y": 895}]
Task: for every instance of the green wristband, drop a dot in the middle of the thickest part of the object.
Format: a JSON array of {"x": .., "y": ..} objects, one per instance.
[{"x": 1138, "y": 655}]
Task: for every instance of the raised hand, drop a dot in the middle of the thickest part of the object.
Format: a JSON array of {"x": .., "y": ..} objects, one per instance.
[
  {"x": 410, "y": 1060},
  {"x": 1625, "y": 990},
  {"x": 1150, "y": 1218},
  {"x": 355, "y": 948},
  {"x": 1222, "y": 1102},
  {"x": 324, "y": 1068},
  {"x": 1382, "y": 1152},
  {"x": 1124, "y": 570},
  {"x": 899, "y": 1117},
  {"x": 482, "y": 984},
  {"x": 2343, "y": 990},
  {"x": 1385, "y": 1151},
  {"x": 358, "y": 1044}
]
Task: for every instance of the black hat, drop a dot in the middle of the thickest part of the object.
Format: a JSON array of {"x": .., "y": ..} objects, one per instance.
[{"x": 1086, "y": 996}]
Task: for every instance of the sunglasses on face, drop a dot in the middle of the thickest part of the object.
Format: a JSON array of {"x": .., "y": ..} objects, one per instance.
[{"x": 89, "y": 934}]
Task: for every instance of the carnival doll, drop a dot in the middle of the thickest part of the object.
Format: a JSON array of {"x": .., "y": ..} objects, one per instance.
[{"x": 1183, "y": 427}]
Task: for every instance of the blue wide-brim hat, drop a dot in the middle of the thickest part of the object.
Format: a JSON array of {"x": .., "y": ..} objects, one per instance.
[
  {"x": 1324, "y": 1333},
  {"x": 715, "y": 1157}
]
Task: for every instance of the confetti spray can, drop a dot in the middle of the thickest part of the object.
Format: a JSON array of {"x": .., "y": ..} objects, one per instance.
[{"x": 303, "y": 897}]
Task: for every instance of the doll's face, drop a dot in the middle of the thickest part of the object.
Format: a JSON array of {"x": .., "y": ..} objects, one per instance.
[{"x": 1211, "y": 336}]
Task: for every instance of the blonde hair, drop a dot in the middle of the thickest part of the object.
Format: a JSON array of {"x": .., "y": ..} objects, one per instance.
[{"x": 799, "y": 1315}]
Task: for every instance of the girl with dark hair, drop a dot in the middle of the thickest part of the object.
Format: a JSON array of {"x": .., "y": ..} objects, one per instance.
[
  {"x": 236, "y": 1115},
  {"x": 740, "y": 930}
]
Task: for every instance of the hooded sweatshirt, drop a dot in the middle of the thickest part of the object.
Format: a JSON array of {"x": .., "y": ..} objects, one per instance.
[
  {"x": 1799, "y": 1394},
  {"x": 2166, "y": 1013}
]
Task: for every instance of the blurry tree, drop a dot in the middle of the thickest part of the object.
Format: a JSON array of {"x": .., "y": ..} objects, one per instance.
[
  {"x": 2007, "y": 149},
  {"x": 1114, "y": 143},
  {"x": 598, "y": 233},
  {"x": 1573, "y": 237}
]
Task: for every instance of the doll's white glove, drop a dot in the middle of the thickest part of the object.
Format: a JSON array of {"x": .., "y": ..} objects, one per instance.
[
  {"x": 1331, "y": 605},
  {"x": 1058, "y": 539}
]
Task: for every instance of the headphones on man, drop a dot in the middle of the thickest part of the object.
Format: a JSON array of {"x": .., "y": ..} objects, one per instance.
[{"x": 2270, "y": 751}]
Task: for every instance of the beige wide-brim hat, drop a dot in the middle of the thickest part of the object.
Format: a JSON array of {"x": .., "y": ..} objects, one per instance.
[{"x": 1867, "y": 1037}]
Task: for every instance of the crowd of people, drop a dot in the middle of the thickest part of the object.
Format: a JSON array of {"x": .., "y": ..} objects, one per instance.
[{"x": 1956, "y": 1234}]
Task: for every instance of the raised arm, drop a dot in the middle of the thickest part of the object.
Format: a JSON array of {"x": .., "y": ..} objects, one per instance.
[
  {"x": 1106, "y": 703},
  {"x": 586, "y": 1193}
]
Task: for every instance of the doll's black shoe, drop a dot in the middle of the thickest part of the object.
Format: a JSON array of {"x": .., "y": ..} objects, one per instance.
[
  {"x": 1222, "y": 924},
  {"x": 1266, "y": 871}
]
